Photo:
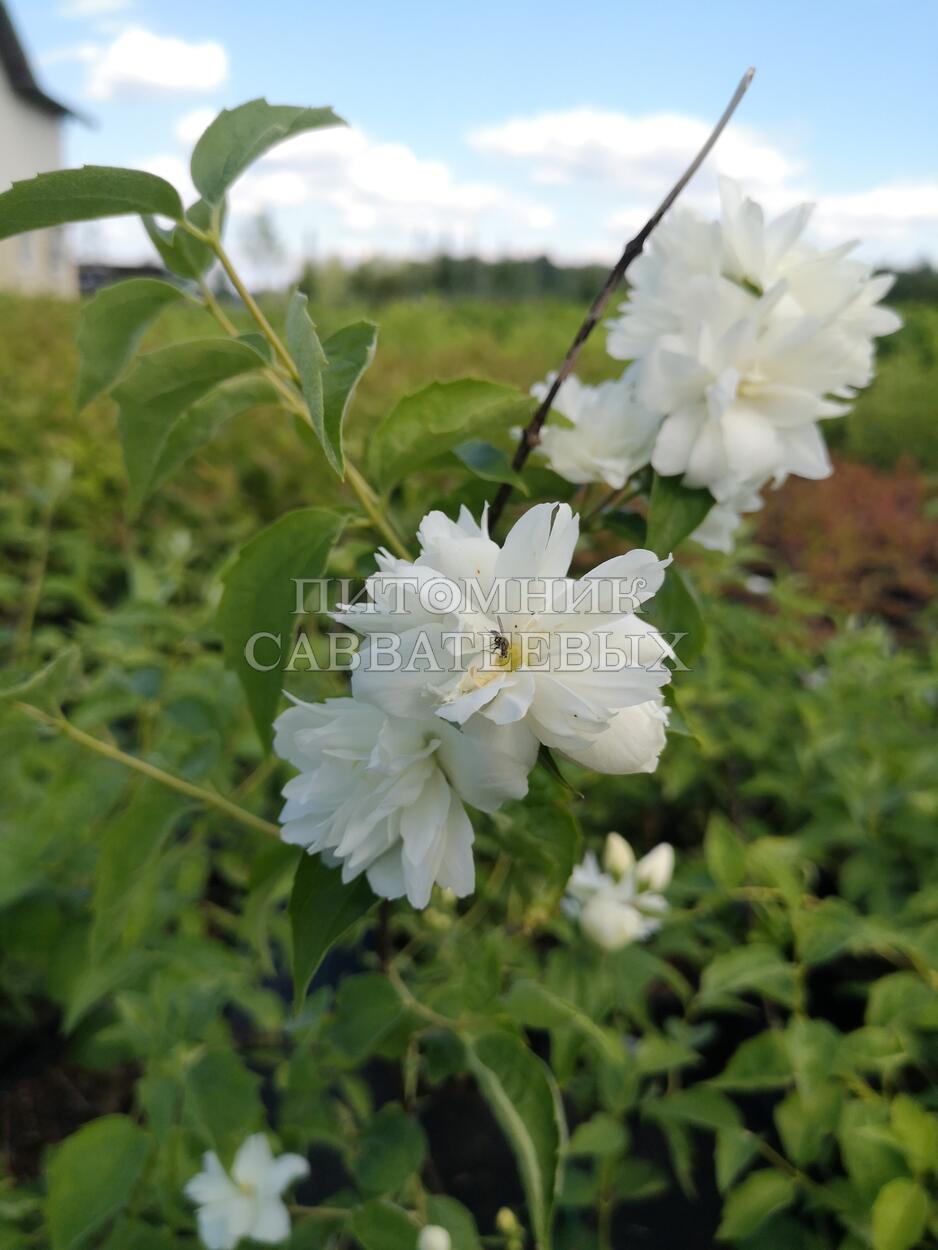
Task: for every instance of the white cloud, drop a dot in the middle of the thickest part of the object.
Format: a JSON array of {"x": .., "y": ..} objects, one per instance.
[
  {"x": 638, "y": 154},
  {"x": 139, "y": 63},
  {"x": 94, "y": 8},
  {"x": 189, "y": 127},
  {"x": 80, "y": 53}
]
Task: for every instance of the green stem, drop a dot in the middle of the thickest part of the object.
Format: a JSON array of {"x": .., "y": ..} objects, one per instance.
[
  {"x": 369, "y": 501},
  {"x": 208, "y": 797}
]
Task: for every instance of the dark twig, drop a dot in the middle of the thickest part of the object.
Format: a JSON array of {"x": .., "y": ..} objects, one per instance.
[{"x": 531, "y": 434}]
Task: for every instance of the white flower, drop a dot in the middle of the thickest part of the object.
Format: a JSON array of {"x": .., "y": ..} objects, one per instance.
[
  {"x": 514, "y": 667},
  {"x": 741, "y": 333},
  {"x": 716, "y": 531},
  {"x": 247, "y": 1203},
  {"x": 617, "y": 907},
  {"x": 385, "y": 796},
  {"x": 609, "y": 437},
  {"x": 434, "y": 1237}
]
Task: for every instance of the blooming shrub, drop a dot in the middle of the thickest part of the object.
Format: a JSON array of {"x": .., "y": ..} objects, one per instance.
[{"x": 749, "y": 1022}]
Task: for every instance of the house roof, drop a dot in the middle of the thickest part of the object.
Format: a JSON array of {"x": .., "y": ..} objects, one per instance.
[{"x": 14, "y": 62}]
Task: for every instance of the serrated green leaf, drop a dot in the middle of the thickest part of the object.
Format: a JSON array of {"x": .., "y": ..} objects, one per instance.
[
  {"x": 92, "y": 1177},
  {"x": 700, "y": 1106},
  {"x": 430, "y": 423},
  {"x": 760, "y": 1062},
  {"x": 674, "y": 511},
  {"x": 752, "y": 1201},
  {"x": 158, "y": 390},
  {"x": 306, "y": 349},
  {"x": 260, "y": 598},
  {"x": 757, "y": 968},
  {"x": 367, "y": 1008},
  {"x": 239, "y": 136},
  {"x": 917, "y": 1133},
  {"x": 524, "y": 1100},
  {"x": 180, "y": 251},
  {"x": 110, "y": 327},
  {"x": 84, "y": 194},
  {"x": 322, "y": 910},
  {"x": 735, "y": 1149},
  {"x": 200, "y": 422},
  {"x": 349, "y": 352}
]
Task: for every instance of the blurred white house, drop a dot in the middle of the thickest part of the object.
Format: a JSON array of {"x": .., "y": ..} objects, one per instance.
[{"x": 30, "y": 143}]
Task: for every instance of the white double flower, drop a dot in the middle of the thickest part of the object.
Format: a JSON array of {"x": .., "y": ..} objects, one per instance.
[{"x": 623, "y": 902}]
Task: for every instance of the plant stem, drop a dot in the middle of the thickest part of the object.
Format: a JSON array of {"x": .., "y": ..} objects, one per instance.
[
  {"x": 372, "y": 506},
  {"x": 369, "y": 501},
  {"x": 251, "y": 304},
  {"x": 530, "y": 436},
  {"x": 208, "y": 797}
]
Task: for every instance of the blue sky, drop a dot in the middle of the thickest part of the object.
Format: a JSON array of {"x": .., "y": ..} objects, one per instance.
[{"x": 519, "y": 127}]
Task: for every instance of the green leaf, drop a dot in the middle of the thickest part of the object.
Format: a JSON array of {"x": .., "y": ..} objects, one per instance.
[
  {"x": 805, "y": 1123},
  {"x": 870, "y": 1158},
  {"x": 82, "y": 195},
  {"x": 735, "y": 1150},
  {"x": 349, "y": 352},
  {"x": 432, "y": 422},
  {"x": 917, "y": 1132},
  {"x": 159, "y": 389},
  {"x": 367, "y": 1008},
  {"x": 307, "y": 351},
  {"x": 393, "y": 1148},
  {"x": 126, "y": 848},
  {"x": 48, "y": 685},
  {"x": 238, "y": 136},
  {"x": 180, "y": 251},
  {"x": 525, "y": 1101},
  {"x": 110, "y": 327},
  {"x": 200, "y": 423},
  {"x": 700, "y": 1106},
  {"x": 223, "y": 1098},
  {"x": 675, "y": 609},
  {"x": 380, "y": 1225},
  {"x": 760, "y": 1195},
  {"x": 674, "y": 511},
  {"x": 757, "y": 968},
  {"x": 900, "y": 1213},
  {"x": 760, "y": 1062},
  {"x": 260, "y": 598},
  {"x": 458, "y": 1222},
  {"x": 600, "y": 1137},
  {"x": 534, "y": 1005},
  {"x": 724, "y": 853},
  {"x": 322, "y": 910},
  {"x": 489, "y": 463},
  {"x": 92, "y": 1177}
]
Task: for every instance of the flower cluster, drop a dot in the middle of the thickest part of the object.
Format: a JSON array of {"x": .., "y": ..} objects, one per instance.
[
  {"x": 472, "y": 693},
  {"x": 742, "y": 337},
  {"x": 621, "y": 902}
]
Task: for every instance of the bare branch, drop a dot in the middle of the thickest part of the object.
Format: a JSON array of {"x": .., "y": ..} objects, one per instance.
[{"x": 531, "y": 434}]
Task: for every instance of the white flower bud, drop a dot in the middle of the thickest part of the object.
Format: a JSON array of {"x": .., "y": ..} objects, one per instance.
[
  {"x": 433, "y": 1237},
  {"x": 618, "y": 856},
  {"x": 610, "y": 922},
  {"x": 656, "y": 869}
]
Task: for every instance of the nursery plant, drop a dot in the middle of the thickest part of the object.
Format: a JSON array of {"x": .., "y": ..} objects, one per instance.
[{"x": 490, "y": 975}]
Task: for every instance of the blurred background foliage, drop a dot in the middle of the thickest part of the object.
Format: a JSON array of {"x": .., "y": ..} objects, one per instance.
[{"x": 763, "y": 1070}]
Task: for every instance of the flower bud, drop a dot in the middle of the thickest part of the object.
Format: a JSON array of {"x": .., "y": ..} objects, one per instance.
[
  {"x": 433, "y": 1237},
  {"x": 618, "y": 858},
  {"x": 656, "y": 869},
  {"x": 507, "y": 1222}
]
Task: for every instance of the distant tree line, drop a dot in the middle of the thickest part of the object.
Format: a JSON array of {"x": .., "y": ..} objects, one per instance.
[{"x": 380, "y": 280}]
